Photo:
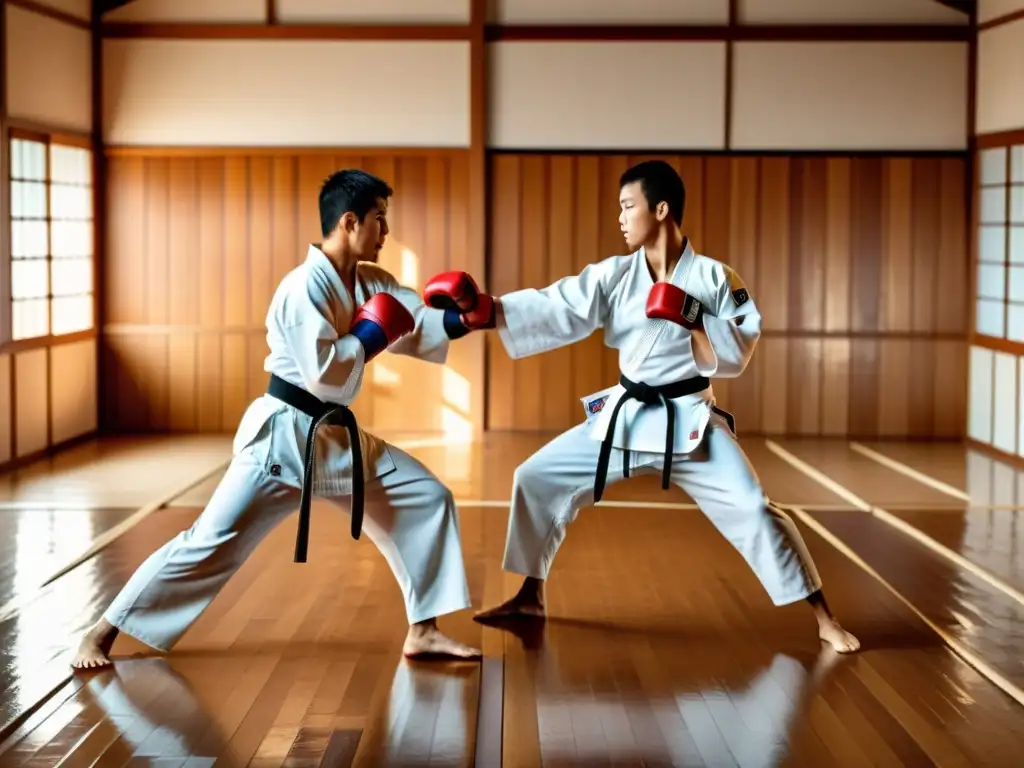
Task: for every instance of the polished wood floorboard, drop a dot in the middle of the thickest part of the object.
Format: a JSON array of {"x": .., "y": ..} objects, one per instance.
[
  {"x": 291, "y": 661},
  {"x": 992, "y": 539},
  {"x": 871, "y": 481},
  {"x": 661, "y": 648},
  {"x": 37, "y": 542},
  {"x": 986, "y": 621},
  {"x": 116, "y": 471},
  {"x": 948, "y": 463},
  {"x": 474, "y": 472},
  {"x": 36, "y": 642},
  {"x": 672, "y": 655}
]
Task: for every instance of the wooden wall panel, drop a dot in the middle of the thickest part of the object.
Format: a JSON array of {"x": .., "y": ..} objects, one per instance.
[
  {"x": 197, "y": 245},
  {"x": 73, "y": 410},
  {"x": 31, "y": 429},
  {"x": 6, "y": 424},
  {"x": 857, "y": 264}
]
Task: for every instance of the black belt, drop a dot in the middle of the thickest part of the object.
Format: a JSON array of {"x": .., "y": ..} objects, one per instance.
[
  {"x": 321, "y": 413},
  {"x": 649, "y": 395}
]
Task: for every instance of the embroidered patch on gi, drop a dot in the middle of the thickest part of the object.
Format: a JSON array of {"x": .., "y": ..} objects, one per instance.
[
  {"x": 693, "y": 435},
  {"x": 275, "y": 469},
  {"x": 737, "y": 288},
  {"x": 594, "y": 406}
]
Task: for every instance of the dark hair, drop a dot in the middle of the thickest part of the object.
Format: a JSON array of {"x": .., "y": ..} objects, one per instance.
[
  {"x": 659, "y": 182},
  {"x": 349, "y": 190}
]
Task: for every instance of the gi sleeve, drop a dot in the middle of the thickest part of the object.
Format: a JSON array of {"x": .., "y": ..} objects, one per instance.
[
  {"x": 428, "y": 340},
  {"x": 735, "y": 327},
  {"x": 331, "y": 366},
  {"x": 532, "y": 321}
]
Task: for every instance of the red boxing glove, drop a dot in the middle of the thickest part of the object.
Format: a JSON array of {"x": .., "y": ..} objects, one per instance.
[
  {"x": 456, "y": 292},
  {"x": 380, "y": 322},
  {"x": 666, "y": 302}
]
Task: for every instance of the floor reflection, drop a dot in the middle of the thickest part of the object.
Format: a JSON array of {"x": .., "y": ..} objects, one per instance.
[
  {"x": 140, "y": 711},
  {"x": 615, "y": 694},
  {"x": 429, "y": 719}
]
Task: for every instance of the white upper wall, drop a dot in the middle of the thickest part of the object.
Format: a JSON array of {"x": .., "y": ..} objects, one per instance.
[
  {"x": 581, "y": 95},
  {"x": 295, "y": 11},
  {"x": 993, "y": 9},
  {"x": 850, "y": 96},
  {"x": 49, "y": 70},
  {"x": 286, "y": 93},
  {"x": 848, "y": 12},
  {"x": 375, "y": 12},
  {"x": 717, "y": 12},
  {"x": 1000, "y": 91},
  {"x": 793, "y": 95},
  {"x": 609, "y": 11}
]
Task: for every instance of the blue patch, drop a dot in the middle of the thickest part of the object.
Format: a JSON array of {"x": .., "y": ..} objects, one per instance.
[{"x": 594, "y": 406}]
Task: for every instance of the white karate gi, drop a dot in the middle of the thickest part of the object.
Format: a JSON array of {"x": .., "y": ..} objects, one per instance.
[
  {"x": 409, "y": 514},
  {"x": 551, "y": 486}
]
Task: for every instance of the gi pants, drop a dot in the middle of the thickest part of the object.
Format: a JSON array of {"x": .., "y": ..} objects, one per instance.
[
  {"x": 551, "y": 486},
  {"x": 409, "y": 515}
]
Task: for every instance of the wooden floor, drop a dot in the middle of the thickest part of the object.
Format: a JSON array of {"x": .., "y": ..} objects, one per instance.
[{"x": 661, "y": 647}]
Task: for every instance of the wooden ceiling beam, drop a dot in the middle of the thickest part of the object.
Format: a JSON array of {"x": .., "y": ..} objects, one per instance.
[{"x": 550, "y": 33}]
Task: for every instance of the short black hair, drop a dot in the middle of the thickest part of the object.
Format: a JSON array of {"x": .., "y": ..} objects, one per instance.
[
  {"x": 349, "y": 190},
  {"x": 659, "y": 182}
]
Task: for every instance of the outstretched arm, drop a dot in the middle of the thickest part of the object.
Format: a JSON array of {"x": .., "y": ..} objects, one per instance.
[{"x": 532, "y": 320}]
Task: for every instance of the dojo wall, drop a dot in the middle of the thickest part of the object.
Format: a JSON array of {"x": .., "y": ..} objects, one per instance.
[
  {"x": 856, "y": 264},
  {"x": 996, "y": 358},
  {"x": 48, "y": 385},
  {"x": 192, "y": 364},
  {"x": 198, "y": 244}
]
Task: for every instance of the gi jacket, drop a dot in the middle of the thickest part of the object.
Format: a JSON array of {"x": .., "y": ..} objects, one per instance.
[
  {"x": 612, "y": 295},
  {"x": 307, "y": 326}
]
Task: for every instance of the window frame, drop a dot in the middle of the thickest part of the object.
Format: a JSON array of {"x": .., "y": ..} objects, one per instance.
[
  {"x": 1007, "y": 141},
  {"x": 48, "y": 138}
]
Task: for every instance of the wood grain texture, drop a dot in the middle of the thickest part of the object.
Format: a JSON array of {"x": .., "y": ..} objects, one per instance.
[
  {"x": 858, "y": 265},
  {"x": 197, "y": 245},
  {"x": 296, "y": 665},
  {"x": 47, "y": 398}
]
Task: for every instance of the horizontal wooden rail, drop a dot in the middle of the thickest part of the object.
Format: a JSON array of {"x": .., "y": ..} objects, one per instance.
[{"x": 551, "y": 32}]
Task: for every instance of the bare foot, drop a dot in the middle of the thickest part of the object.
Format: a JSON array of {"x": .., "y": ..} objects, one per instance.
[
  {"x": 94, "y": 649},
  {"x": 426, "y": 640},
  {"x": 833, "y": 634},
  {"x": 519, "y": 605},
  {"x": 529, "y": 601}
]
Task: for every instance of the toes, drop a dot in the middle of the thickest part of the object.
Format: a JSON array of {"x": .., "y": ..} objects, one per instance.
[{"x": 90, "y": 664}]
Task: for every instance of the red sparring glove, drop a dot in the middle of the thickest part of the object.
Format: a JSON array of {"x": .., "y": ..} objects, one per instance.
[
  {"x": 457, "y": 293},
  {"x": 666, "y": 302},
  {"x": 380, "y": 322}
]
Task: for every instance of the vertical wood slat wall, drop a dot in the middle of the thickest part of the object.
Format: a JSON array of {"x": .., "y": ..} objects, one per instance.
[
  {"x": 857, "y": 263},
  {"x": 197, "y": 245}
]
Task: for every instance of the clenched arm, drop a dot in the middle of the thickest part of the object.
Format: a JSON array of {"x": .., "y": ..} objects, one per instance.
[
  {"x": 331, "y": 366},
  {"x": 733, "y": 326}
]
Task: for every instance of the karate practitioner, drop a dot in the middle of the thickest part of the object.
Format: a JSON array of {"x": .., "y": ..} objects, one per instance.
[
  {"x": 677, "y": 318},
  {"x": 328, "y": 319}
]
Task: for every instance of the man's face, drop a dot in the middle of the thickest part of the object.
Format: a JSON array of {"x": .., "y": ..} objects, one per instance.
[
  {"x": 639, "y": 224},
  {"x": 366, "y": 237}
]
